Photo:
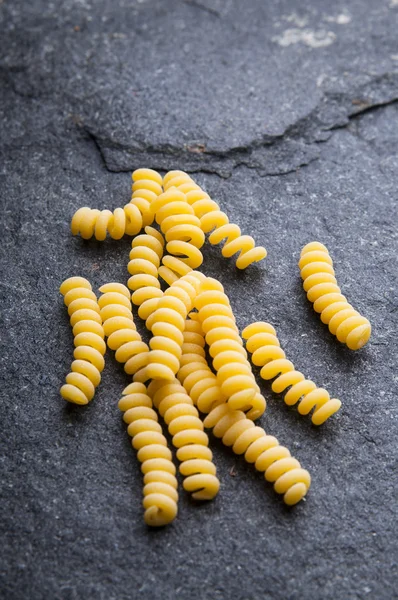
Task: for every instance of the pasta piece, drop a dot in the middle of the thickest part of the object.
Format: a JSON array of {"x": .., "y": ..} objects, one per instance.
[
  {"x": 160, "y": 483},
  {"x": 267, "y": 353},
  {"x": 195, "y": 374},
  {"x": 89, "y": 343},
  {"x": 121, "y": 331},
  {"x": 145, "y": 255},
  {"x": 89, "y": 222},
  {"x": 183, "y": 234},
  {"x": 211, "y": 217},
  {"x": 233, "y": 426},
  {"x": 275, "y": 461},
  {"x": 320, "y": 283},
  {"x": 167, "y": 324},
  {"x": 186, "y": 429},
  {"x": 234, "y": 373}
]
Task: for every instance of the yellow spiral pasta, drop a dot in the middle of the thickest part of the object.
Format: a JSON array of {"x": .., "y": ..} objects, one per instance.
[
  {"x": 183, "y": 234},
  {"x": 145, "y": 256},
  {"x": 89, "y": 222},
  {"x": 167, "y": 323},
  {"x": 211, "y": 217},
  {"x": 234, "y": 373},
  {"x": 320, "y": 283},
  {"x": 195, "y": 374},
  {"x": 160, "y": 483},
  {"x": 89, "y": 343},
  {"x": 188, "y": 436},
  {"x": 121, "y": 331},
  {"x": 264, "y": 345},
  {"x": 275, "y": 461}
]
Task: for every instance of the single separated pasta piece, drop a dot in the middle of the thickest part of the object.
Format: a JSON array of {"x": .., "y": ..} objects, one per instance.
[
  {"x": 89, "y": 343},
  {"x": 188, "y": 436},
  {"x": 262, "y": 450},
  {"x": 234, "y": 372},
  {"x": 212, "y": 218},
  {"x": 183, "y": 234},
  {"x": 130, "y": 219},
  {"x": 160, "y": 483},
  {"x": 320, "y": 283},
  {"x": 264, "y": 345}
]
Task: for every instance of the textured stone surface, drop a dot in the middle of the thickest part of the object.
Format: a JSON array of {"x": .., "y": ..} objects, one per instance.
[{"x": 91, "y": 91}]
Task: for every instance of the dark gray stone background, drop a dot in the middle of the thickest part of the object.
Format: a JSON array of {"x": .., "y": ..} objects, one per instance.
[{"x": 287, "y": 113}]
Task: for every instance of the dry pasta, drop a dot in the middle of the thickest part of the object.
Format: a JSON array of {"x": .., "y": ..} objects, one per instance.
[
  {"x": 145, "y": 256},
  {"x": 188, "y": 436},
  {"x": 195, "y": 374},
  {"x": 193, "y": 311},
  {"x": 212, "y": 218},
  {"x": 89, "y": 343},
  {"x": 264, "y": 345},
  {"x": 233, "y": 426},
  {"x": 275, "y": 461},
  {"x": 320, "y": 283},
  {"x": 121, "y": 331},
  {"x": 130, "y": 219},
  {"x": 183, "y": 234},
  {"x": 167, "y": 323},
  {"x": 234, "y": 373},
  {"x": 160, "y": 483}
]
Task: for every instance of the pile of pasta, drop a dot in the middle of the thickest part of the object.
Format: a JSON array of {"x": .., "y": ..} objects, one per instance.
[{"x": 192, "y": 324}]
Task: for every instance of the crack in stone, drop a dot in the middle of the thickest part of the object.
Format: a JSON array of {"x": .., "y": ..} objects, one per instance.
[
  {"x": 215, "y": 162},
  {"x": 207, "y": 9},
  {"x": 367, "y": 108},
  {"x": 94, "y": 140},
  {"x": 167, "y": 156},
  {"x": 271, "y": 155}
]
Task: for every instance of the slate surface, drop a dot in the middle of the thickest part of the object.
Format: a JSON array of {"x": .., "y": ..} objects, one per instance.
[{"x": 287, "y": 114}]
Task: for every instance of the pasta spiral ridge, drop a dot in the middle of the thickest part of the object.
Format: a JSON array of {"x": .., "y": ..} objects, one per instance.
[
  {"x": 188, "y": 436},
  {"x": 167, "y": 324},
  {"x": 121, "y": 331},
  {"x": 264, "y": 345},
  {"x": 195, "y": 374},
  {"x": 183, "y": 233},
  {"x": 160, "y": 483},
  {"x": 275, "y": 461},
  {"x": 320, "y": 283},
  {"x": 89, "y": 222},
  {"x": 89, "y": 343},
  {"x": 212, "y": 218},
  {"x": 234, "y": 372},
  {"x": 145, "y": 256}
]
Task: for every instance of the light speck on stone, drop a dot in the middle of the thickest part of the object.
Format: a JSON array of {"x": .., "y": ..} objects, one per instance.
[
  {"x": 341, "y": 19},
  {"x": 313, "y": 39}
]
